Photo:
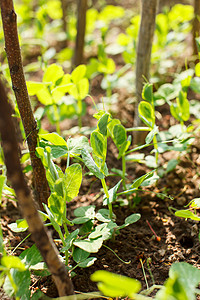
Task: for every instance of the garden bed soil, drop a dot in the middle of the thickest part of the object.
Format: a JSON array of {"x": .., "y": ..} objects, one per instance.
[{"x": 136, "y": 244}]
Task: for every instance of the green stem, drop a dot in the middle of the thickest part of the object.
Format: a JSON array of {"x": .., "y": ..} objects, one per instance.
[
  {"x": 125, "y": 262},
  {"x": 57, "y": 118},
  {"x": 155, "y": 142},
  {"x": 79, "y": 113},
  {"x": 12, "y": 283},
  {"x": 103, "y": 182},
  {"x": 124, "y": 171}
]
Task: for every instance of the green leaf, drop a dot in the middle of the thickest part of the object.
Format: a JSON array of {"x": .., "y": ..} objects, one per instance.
[
  {"x": 83, "y": 88},
  {"x": 91, "y": 246},
  {"x": 140, "y": 180},
  {"x": 124, "y": 147},
  {"x": 146, "y": 113},
  {"x": 99, "y": 145},
  {"x": 119, "y": 133},
  {"x": 112, "y": 194},
  {"x": 175, "y": 111},
  {"x": 90, "y": 164},
  {"x": 167, "y": 92},
  {"x": 187, "y": 214},
  {"x": 80, "y": 255},
  {"x": 52, "y": 219},
  {"x": 13, "y": 262},
  {"x": 183, "y": 279},
  {"x": 132, "y": 219},
  {"x": 151, "y": 134},
  {"x": 57, "y": 206},
  {"x": 188, "y": 275},
  {"x": 195, "y": 203},
  {"x": 72, "y": 181},
  {"x": 17, "y": 227},
  {"x": 87, "y": 262},
  {"x": 69, "y": 240},
  {"x": 31, "y": 256},
  {"x": 78, "y": 73},
  {"x": 53, "y": 138},
  {"x": 53, "y": 73},
  {"x": 34, "y": 87},
  {"x": 147, "y": 92},
  {"x": 85, "y": 211},
  {"x": 84, "y": 214},
  {"x": 195, "y": 84},
  {"x": 44, "y": 96},
  {"x": 103, "y": 215},
  {"x": 114, "y": 285},
  {"x": 184, "y": 106},
  {"x": 102, "y": 124},
  {"x": 171, "y": 165},
  {"x": 111, "y": 126},
  {"x": 108, "y": 68},
  {"x": 104, "y": 231},
  {"x": 75, "y": 145},
  {"x": 197, "y": 69}
]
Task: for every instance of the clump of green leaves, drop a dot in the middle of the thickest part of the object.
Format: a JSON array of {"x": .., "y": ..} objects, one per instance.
[
  {"x": 181, "y": 284},
  {"x": 53, "y": 88}
]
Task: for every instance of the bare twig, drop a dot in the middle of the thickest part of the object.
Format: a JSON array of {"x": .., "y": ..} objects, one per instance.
[
  {"x": 12, "y": 48},
  {"x": 80, "y": 37}
]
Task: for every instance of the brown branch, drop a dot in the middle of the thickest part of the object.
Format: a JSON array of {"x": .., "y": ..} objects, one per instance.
[
  {"x": 145, "y": 40},
  {"x": 80, "y": 37},
  {"x": 64, "y": 18},
  {"x": 39, "y": 233},
  {"x": 12, "y": 48}
]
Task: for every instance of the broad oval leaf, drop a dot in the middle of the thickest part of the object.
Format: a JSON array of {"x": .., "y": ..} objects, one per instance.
[
  {"x": 98, "y": 143},
  {"x": 119, "y": 133},
  {"x": 102, "y": 124},
  {"x": 53, "y": 73},
  {"x": 13, "y": 262},
  {"x": 147, "y": 92},
  {"x": 83, "y": 88},
  {"x": 34, "y": 87},
  {"x": 146, "y": 113},
  {"x": 72, "y": 181},
  {"x": 91, "y": 246},
  {"x": 114, "y": 285},
  {"x": 90, "y": 164},
  {"x": 78, "y": 73},
  {"x": 187, "y": 214},
  {"x": 54, "y": 138}
]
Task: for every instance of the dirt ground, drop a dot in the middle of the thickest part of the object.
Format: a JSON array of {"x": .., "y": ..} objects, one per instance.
[{"x": 178, "y": 238}]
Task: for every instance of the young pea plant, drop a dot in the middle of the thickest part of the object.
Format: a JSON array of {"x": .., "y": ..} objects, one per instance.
[
  {"x": 147, "y": 114},
  {"x": 51, "y": 92},
  {"x": 64, "y": 187}
]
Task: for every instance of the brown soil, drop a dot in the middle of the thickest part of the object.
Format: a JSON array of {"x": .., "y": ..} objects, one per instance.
[{"x": 178, "y": 238}]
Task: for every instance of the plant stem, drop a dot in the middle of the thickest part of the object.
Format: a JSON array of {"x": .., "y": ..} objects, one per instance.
[
  {"x": 12, "y": 283},
  {"x": 143, "y": 270},
  {"x": 155, "y": 143},
  {"x": 9, "y": 20},
  {"x": 125, "y": 262},
  {"x": 124, "y": 171},
  {"x": 79, "y": 113},
  {"x": 103, "y": 182},
  {"x": 55, "y": 108}
]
